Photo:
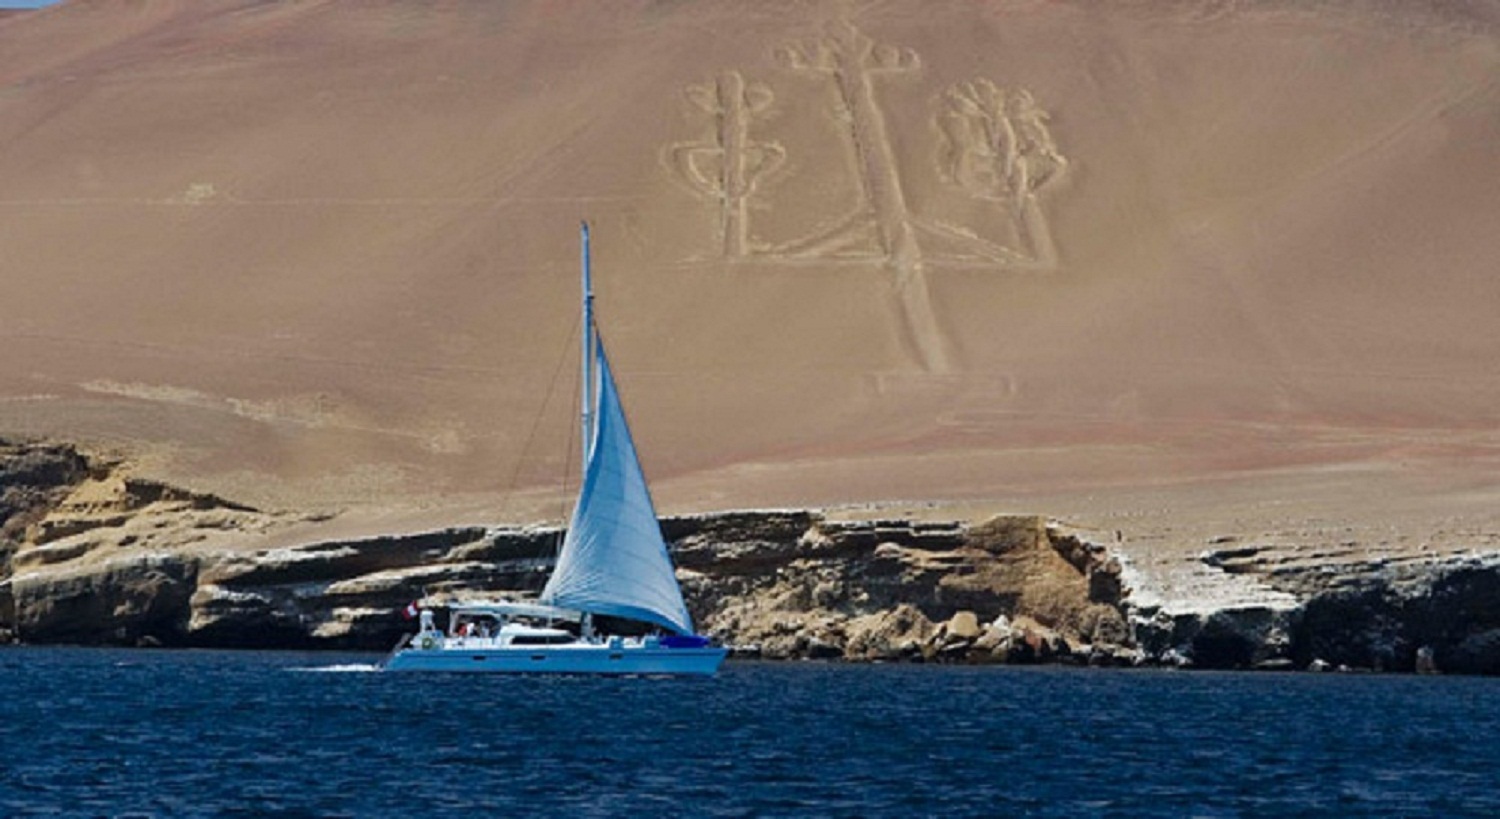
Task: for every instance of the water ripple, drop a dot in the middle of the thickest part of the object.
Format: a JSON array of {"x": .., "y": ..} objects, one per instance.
[{"x": 94, "y": 732}]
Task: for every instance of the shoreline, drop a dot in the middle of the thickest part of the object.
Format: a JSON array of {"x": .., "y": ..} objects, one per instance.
[
  {"x": 738, "y": 657},
  {"x": 97, "y": 555}
]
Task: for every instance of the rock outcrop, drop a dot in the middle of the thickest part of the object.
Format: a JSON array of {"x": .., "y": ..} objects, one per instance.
[
  {"x": 105, "y": 558},
  {"x": 1427, "y": 613},
  {"x": 33, "y": 481},
  {"x": 809, "y": 586},
  {"x": 96, "y": 556}
]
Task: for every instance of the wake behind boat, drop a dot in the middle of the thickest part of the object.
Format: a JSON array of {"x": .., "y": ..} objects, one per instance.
[{"x": 613, "y": 564}]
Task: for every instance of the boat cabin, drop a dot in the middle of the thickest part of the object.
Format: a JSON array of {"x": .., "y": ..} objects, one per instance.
[{"x": 492, "y": 625}]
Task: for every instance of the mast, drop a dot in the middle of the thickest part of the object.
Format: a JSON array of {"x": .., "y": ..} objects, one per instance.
[
  {"x": 587, "y": 390},
  {"x": 613, "y": 559}
]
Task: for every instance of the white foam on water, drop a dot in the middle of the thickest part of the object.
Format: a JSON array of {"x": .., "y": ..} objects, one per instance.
[{"x": 347, "y": 668}]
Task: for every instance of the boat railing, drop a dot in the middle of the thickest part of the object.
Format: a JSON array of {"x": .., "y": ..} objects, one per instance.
[{"x": 395, "y": 649}]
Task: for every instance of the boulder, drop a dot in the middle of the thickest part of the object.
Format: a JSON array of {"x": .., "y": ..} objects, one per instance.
[
  {"x": 1032, "y": 642},
  {"x": 994, "y": 635},
  {"x": 895, "y": 634},
  {"x": 964, "y": 625}
]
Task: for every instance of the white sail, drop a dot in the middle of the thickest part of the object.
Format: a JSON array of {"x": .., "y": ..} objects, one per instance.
[{"x": 613, "y": 560}]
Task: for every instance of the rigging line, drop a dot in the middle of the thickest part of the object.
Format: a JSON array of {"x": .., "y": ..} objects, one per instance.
[
  {"x": 531, "y": 436},
  {"x": 568, "y": 461},
  {"x": 536, "y": 421}
]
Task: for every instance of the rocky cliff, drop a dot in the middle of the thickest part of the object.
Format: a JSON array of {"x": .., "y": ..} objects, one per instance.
[
  {"x": 95, "y": 556},
  {"x": 1413, "y": 613},
  {"x": 109, "y": 559}
]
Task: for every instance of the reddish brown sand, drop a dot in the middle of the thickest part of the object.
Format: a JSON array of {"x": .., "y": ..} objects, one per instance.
[{"x": 1201, "y": 268}]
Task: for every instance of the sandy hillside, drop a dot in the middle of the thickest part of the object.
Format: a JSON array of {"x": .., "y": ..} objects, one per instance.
[{"x": 1106, "y": 259}]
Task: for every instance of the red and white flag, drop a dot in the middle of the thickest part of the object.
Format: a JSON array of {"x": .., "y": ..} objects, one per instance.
[{"x": 411, "y": 610}]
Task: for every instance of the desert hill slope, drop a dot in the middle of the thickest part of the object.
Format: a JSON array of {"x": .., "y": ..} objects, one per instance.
[{"x": 316, "y": 254}]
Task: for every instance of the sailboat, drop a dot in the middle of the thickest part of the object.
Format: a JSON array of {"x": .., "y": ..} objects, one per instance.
[{"x": 613, "y": 564}]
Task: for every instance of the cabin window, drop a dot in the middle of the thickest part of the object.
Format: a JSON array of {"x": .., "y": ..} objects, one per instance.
[{"x": 541, "y": 639}]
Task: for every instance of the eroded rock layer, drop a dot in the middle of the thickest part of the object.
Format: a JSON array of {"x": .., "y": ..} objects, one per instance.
[{"x": 104, "y": 558}]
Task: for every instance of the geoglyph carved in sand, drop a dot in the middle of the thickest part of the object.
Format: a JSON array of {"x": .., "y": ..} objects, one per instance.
[
  {"x": 728, "y": 168},
  {"x": 995, "y": 148}
]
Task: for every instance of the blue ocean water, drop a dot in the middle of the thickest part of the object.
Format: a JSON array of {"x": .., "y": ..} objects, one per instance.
[{"x": 95, "y": 732}]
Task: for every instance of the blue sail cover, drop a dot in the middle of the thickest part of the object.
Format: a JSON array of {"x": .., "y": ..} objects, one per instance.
[{"x": 613, "y": 560}]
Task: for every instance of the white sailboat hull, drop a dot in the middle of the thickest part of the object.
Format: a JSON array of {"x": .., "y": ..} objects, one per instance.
[{"x": 580, "y": 658}]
